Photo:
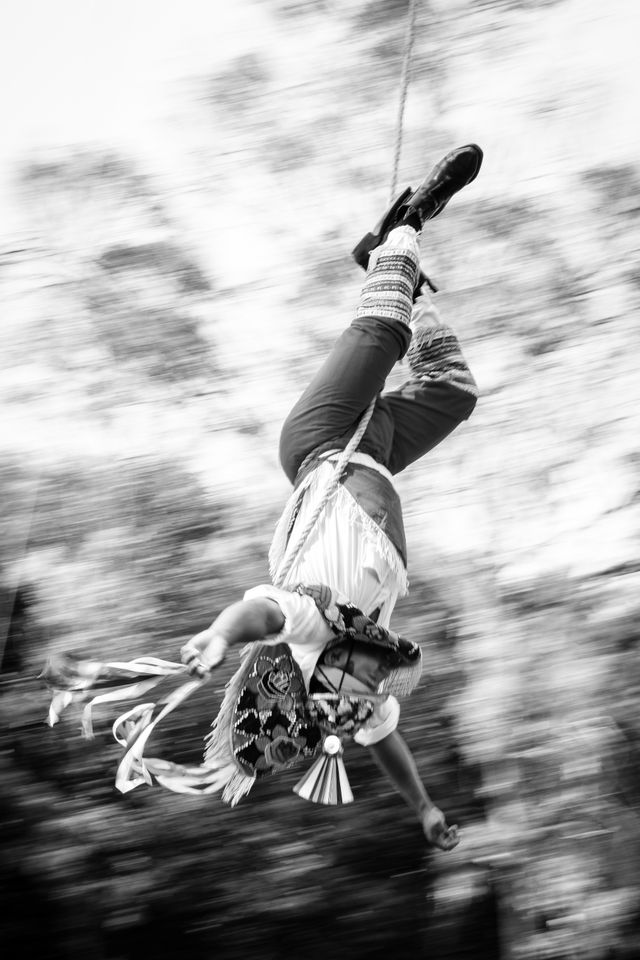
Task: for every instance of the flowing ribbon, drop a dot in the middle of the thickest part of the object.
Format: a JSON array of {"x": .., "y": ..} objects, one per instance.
[
  {"x": 74, "y": 680},
  {"x": 132, "y": 731}
]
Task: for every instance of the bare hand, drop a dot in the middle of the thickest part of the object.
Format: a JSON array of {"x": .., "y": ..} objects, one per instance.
[
  {"x": 202, "y": 653},
  {"x": 436, "y": 830}
]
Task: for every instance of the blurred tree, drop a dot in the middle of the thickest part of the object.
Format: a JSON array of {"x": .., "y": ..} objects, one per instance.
[{"x": 118, "y": 255}]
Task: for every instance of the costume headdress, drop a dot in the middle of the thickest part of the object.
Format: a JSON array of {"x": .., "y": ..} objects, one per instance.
[{"x": 349, "y": 623}]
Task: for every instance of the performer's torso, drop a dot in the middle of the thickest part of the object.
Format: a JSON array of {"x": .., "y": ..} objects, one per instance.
[{"x": 348, "y": 546}]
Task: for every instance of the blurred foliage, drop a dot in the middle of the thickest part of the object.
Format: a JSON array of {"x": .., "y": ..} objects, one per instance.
[{"x": 118, "y": 540}]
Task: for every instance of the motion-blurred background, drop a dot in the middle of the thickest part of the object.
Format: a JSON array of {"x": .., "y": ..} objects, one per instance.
[{"x": 180, "y": 187}]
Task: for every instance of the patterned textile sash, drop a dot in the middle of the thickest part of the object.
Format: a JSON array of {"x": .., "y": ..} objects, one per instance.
[{"x": 262, "y": 725}]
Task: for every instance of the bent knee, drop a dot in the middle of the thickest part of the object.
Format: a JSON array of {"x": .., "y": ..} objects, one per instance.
[
  {"x": 461, "y": 393},
  {"x": 291, "y": 451},
  {"x": 469, "y": 403}
]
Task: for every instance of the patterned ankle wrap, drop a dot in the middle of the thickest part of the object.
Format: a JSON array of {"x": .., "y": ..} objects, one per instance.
[
  {"x": 435, "y": 354},
  {"x": 391, "y": 280}
]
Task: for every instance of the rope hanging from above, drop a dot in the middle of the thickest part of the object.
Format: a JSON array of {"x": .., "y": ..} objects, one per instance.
[
  {"x": 404, "y": 89},
  {"x": 295, "y": 546}
]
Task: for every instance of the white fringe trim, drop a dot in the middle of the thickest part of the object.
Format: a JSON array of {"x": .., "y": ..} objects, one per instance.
[
  {"x": 375, "y": 537},
  {"x": 353, "y": 513},
  {"x": 219, "y": 742}
]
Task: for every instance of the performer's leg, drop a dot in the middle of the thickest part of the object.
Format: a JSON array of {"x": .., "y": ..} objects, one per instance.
[
  {"x": 356, "y": 369},
  {"x": 439, "y": 394}
]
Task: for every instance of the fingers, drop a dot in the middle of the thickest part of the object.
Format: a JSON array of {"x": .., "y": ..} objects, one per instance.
[
  {"x": 192, "y": 659},
  {"x": 203, "y": 652},
  {"x": 448, "y": 839},
  {"x": 438, "y": 833}
]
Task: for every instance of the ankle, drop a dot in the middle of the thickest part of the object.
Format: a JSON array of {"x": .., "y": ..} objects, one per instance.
[
  {"x": 404, "y": 236},
  {"x": 412, "y": 219},
  {"x": 422, "y": 282}
]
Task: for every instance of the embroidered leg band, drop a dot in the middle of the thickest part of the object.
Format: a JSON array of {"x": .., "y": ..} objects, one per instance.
[
  {"x": 434, "y": 353},
  {"x": 391, "y": 278}
]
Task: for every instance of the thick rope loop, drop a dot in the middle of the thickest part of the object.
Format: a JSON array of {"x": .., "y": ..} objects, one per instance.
[{"x": 296, "y": 545}]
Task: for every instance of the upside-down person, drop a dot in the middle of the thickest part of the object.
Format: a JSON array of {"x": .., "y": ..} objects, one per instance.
[
  {"x": 325, "y": 630},
  {"x": 357, "y": 546}
]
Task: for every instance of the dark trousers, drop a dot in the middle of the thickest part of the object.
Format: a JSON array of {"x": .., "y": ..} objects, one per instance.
[{"x": 439, "y": 393}]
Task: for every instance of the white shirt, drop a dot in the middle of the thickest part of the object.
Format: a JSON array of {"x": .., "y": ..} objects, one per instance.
[
  {"x": 306, "y": 632},
  {"x": 346, "y": 550}
]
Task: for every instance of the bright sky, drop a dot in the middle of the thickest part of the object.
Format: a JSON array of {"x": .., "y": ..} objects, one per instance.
[
  {"x": 565, "y": 98},
  {"x": 82, "y": 70},
  {"x": 85, "y": 68},
  {"x": 560, "y": 97}
]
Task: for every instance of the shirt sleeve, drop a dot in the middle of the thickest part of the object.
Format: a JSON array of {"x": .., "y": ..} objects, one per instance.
[
  {"x": 304, "y": 625},
  {"x": 383, "y": 722}
]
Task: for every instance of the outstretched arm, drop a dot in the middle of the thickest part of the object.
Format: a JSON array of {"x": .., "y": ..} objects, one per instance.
[
  {"x": 396, "y": 760},
  {"x": 242, "y": 622}
]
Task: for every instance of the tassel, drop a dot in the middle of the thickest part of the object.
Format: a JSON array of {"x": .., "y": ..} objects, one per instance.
[{"x": 326, "y": 781}]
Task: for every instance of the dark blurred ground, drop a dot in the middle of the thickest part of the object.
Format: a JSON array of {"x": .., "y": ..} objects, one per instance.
[{"x": 89, "y": 872}]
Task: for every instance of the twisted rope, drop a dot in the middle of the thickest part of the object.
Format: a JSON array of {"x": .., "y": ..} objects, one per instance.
[
  {"x": 295, "y": 546},
  {"x": 404, "y": 88}
]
